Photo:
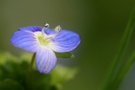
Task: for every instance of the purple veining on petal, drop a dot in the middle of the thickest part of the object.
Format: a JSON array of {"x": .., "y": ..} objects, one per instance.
[
  {"x": 31, "y": 28},
  {"x": 45, "y": 60},
  {"x": 65, "y": 41},
  {"x": 49, "y": 31},
  {"x": 25, "y": 40}
]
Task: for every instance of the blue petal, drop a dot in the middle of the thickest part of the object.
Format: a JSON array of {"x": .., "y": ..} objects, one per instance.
[
  {"x": 49, "y": 31},
  {"x": 25, "y": 40},
  {"x": 31, "y": 28},
  {"x": 45, "y": 60},
  {"x": 65, "y": 41}
]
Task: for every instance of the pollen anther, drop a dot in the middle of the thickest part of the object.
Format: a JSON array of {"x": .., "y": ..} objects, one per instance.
[{"x": 58, "y": 28}]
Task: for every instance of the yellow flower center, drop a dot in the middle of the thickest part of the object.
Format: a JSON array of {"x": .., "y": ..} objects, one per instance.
[{"x": 43, "y": 40}]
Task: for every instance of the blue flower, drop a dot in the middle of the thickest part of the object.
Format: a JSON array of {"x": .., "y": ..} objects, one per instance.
[{"x": 44, "y": 42}]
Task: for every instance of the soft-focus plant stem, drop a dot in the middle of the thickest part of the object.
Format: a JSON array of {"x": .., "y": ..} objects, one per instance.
[
  {"x": 117, "y": 61},
  {"x": 32, "y": 62},
  {"x": 123, "y": 71}
]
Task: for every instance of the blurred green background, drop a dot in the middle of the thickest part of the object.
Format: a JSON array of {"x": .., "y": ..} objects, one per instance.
[{"x": 100, "y": 24}]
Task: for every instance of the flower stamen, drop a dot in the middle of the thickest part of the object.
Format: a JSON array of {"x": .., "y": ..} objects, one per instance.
[
  {"x": 46, "y": 26},
  {"x": 43, "y": 38},
  {"x": 58, "y": 28}
]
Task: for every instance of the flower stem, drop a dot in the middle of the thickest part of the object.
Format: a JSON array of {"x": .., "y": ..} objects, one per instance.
[
  {"x": 117, "y": 61},
  {"x": 123, "y": 71},
  {"x": 32, "y": 62}
]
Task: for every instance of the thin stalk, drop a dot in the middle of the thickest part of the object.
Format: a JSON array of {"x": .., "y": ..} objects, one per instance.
[
  {"x": 124, "y": 71},
  {"x": 124, "y": 43},
  {"x": 32, "y": 62}
]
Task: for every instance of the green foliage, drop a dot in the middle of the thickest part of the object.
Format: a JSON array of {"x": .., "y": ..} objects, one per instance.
[
  {"x": 15, "y": 74},
  {"x": 61, "y": 75},
  {"x": 120, "y": 68},
  {"x": 64, "y": 55},
  {"x": 10, "y": 84}
]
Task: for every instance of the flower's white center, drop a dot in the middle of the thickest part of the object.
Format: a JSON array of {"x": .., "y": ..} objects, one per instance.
[{"x": 45, "y": 39}]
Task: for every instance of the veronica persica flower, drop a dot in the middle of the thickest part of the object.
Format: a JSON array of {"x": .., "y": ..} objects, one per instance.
[{"x": 44, "y": 42}]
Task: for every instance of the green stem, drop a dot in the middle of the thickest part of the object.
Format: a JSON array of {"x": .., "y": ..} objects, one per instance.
[
  {"x": 124, "y": 43},
  {"x": 29, "y": 75},
  {"x": 32, "y": 62},
  {"x": 124, "y": 71}
]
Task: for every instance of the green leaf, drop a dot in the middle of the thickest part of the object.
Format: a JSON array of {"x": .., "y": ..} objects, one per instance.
[
  {"x": 114, "y": 72},
  {"x": 6, "y": 56},
  {"x": 64, "y": 55},
  {"x": 125, "y": 69},
  {"x": 15, "y": 74},
  {"x": 61, "y": 74},
  {"x": 38, "y": 81},
  {"x": 9, "y": 84}
]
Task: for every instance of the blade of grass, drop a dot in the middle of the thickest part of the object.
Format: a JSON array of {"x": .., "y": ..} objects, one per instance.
[
  {"x": 123, "y": 71},
  {"x": 124, "y": 43}
]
